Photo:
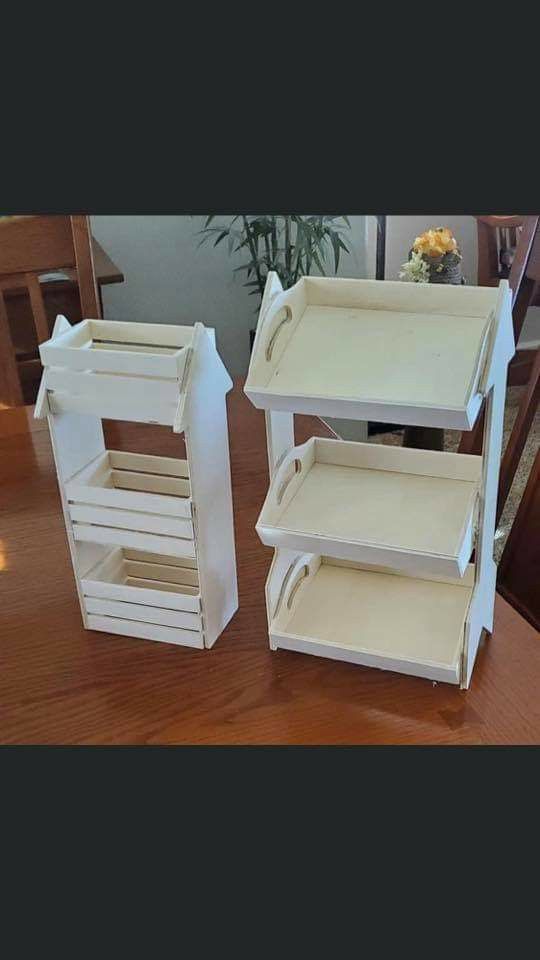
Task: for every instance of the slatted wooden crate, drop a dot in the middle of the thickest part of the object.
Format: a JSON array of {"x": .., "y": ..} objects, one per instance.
[
  {"x": 372, "y": 544},
  {"x": 145, "y": 500},
  {"x": 149, "y": 590},
  {"x": 151, "y": 537}
]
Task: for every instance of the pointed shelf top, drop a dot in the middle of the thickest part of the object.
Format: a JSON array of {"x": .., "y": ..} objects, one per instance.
[{"x": 125, "y": 371}]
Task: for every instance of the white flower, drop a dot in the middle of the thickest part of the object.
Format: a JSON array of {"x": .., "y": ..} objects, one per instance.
[{"x": 416, "y": 270}]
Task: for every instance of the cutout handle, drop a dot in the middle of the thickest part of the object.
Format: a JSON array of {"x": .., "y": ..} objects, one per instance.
[
  {"x": 304, "y": 573},
  {"x": 282, "y": 589},
  {"x": 272, "y": 341},
  {"x": 297, "y": 464}
]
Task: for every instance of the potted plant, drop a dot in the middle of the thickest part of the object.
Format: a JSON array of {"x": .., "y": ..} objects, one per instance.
[
  {"x": 434, "y": 258},
  {"x": 291, "y": 245}
]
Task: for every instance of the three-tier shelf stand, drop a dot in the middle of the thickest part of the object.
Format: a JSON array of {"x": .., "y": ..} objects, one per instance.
[
  {"x": 151, "y": 537},
  {"x": 373, "y": 544}
]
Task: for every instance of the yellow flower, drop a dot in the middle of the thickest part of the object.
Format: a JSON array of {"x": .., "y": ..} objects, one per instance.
[{"x": 434, "y": 243}]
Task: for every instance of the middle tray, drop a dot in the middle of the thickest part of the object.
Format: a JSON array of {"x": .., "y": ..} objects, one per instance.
[{"x": 411, "y": 510}]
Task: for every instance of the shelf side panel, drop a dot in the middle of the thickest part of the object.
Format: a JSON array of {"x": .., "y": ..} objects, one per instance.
[{"x": 207, "y": 442}]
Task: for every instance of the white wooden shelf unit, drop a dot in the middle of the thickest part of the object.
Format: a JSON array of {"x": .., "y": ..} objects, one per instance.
[
  {"x": 372, "y": 543},
  {"x": 151, "y": 537}
]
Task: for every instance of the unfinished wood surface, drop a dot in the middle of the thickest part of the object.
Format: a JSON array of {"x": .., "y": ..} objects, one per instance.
[
  {"x": 172, "y": 585},
  {"x": 144, "y": 411},
  {"x": 143, "y": 613},
  {"x": 107, "y": 481},
  {"x": 132, "y": 520},
  {"x": 100, "y": 346},
  {"x": 372, "y": 350},
  {"x": 412, "y": 510},
  {"x": 146, "y": 631},
  {"x": 207, "y": 443},
  {"x": 61, "y": 684},
  {"x": 420, "y": 522},
  {"x": 279, "y": 423},
  {"x": 136, "y": 540},
  {"x": 115, "y": 502},
  {"x": 376, "y": 619}
]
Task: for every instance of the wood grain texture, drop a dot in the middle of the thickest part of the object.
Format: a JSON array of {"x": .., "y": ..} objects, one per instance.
[
  {"x": 30, "y": 246},
  {"x": 10, "y": 387},
  {"x": 84, "y": 263},
  {"x": 60, "y": 297},
  {"x": 62, "y": 684}
]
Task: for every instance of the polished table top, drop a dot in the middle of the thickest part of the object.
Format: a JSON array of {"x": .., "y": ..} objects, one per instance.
[{"x": 62, "y": 684}]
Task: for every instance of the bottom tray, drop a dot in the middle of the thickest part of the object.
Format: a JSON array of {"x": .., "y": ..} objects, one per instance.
[{"x": 342, "y": 611}]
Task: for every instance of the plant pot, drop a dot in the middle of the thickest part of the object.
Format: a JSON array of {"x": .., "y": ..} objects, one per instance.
[{"x": 445, "y": 269}]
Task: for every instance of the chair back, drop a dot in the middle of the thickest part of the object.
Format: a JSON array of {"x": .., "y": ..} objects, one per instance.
[{"x": 31, "y": 246}]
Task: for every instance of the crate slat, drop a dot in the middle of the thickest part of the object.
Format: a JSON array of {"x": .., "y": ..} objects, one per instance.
[
  {"x": 111, "y": 389},
  {"x": 144, "y": 463},
  {"x": 143, "y": 613},
  {"x": 169, "y": 546},
  {"x": 171, "y": 585},
  {"x": 146, "y": 631},
  {"x": 144, "y": 411},
  {"x": 132, "y": 520}
]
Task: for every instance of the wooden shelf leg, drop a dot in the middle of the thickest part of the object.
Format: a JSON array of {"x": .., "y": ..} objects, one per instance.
[
  {"x": 480, "y": 616},
  {"x": 279, "y": 437}
]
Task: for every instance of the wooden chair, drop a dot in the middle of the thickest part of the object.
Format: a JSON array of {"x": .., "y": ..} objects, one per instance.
[
  {"x": 518, "y": 437},
  {"x": 498, "y": 242},
  {"x": 30, "y": 246},
  {"x": 498, "y": 239},
  {"x": 518, "y": 574},
  {"x": 523, "y": 279},
  {"x": 518, "y": 570}
]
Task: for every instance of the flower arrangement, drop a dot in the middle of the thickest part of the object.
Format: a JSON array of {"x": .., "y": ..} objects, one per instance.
[{"x": 434, "y": 258}]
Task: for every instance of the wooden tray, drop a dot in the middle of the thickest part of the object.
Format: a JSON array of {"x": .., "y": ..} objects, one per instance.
[
  {"x": 379, "y": 619},
  {"x": 375, "y": 350},
  {"x": 144, "y": 595},
  {"x": 412, "y": 510}
]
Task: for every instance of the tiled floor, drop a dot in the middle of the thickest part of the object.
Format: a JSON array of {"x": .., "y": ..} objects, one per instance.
[{"x": 451, "y": 442}]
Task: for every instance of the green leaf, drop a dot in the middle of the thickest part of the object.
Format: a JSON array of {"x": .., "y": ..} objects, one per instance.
[
  {"x": 337, "y": 250},
  {"x": 221, "y": 237}
]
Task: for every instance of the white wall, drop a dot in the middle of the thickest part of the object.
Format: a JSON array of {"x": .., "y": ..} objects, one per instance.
[{"x": 169, "y": 280}]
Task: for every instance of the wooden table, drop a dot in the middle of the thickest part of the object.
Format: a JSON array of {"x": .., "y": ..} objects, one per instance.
[{"x": 62, "y": 684}]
